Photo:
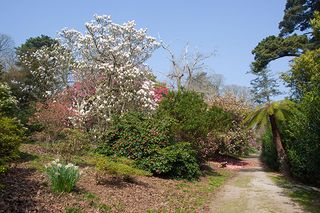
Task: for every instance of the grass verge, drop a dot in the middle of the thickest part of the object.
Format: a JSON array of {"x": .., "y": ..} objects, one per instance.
[{"x": 307, "y": 197}]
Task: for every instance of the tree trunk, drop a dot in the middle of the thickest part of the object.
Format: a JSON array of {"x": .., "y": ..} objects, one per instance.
[{"x": 282, "y": 156}]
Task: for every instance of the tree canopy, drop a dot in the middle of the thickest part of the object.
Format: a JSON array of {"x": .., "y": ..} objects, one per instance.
[
  {"x": 34, "y": 43},
  {"x": 297, "y": 17}
]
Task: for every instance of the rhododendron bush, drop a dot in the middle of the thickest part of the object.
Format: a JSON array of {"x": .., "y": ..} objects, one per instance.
[
  {"x": 160, "y": 91},
  {"x": 238, "y": 140}
]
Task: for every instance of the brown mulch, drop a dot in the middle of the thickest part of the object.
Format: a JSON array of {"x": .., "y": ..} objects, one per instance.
[{"x": 26, "y": 190}]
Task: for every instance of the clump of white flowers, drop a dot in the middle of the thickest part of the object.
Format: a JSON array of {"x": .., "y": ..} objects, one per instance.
[
  {"x": 53, "y": 68},
  {"x": 7, "y": 100},
  {"x": 63, "y": 177}
]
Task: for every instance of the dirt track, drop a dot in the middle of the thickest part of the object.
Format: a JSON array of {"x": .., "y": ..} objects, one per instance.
[{"x": 253, "y": 191}]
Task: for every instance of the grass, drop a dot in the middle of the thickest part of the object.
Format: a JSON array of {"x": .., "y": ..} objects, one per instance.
[
  {"x": 88, "y": 196},
  {"x": 73, "y": 210},
  {"x": 200, "y": 192},
  {"x": 216, "y": 180},
  {"x": 307, "y": 197},
  {"x": 94, "y": 201}
]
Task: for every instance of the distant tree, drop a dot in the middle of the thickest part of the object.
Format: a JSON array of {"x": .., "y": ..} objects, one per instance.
[
  {"x": 7, "y": 56},
  {"x": 241, "y": 92},
  {"x": 34, "y": 43},
  {"x": 263, "y": 87},
  {"x": 209, "y": 85},
  {"x": 186, "y": 68}
]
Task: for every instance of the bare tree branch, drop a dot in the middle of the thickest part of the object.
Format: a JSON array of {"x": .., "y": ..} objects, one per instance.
[{"x": 7, "y": 55}]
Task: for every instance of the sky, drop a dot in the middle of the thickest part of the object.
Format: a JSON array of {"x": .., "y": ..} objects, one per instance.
[{"x": 231, "y": 29}]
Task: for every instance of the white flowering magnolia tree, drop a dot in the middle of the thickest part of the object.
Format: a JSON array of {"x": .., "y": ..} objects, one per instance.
[
  {"x": 50, "y": 68},
  {"x": 111, "y": 57}
]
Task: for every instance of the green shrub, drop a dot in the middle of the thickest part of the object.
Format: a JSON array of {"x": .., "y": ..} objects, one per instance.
[
  {"x": 175, "y": 161},
  {"x": 189, "y": 110},
  {"x": 136, "y": 136},
  {"x": 218, "y": 120},
  {"x": 73, "y": 142},
  {"x": 209, "y": 130},
  {"x": 269, "y": 153},
  {"x": 63, "y": 177},
  {"x": 119, "y": 167},
  {"x": 11, "y": 135},
  {"x": 147, "y": 140},
  {"x": 238, "y": 141},
  {"x": 301, "y": 135}
]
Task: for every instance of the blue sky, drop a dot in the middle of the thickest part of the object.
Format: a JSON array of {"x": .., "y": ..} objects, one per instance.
[{"x": 231, "y": 28}]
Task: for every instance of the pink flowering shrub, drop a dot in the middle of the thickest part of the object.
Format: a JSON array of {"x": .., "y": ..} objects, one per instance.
[
  {"x": 160, "y": 92},
  {"x": 66, "y": 109},
  {"x": 53, "y": 117},
  {"x": 238, "y": 140}
]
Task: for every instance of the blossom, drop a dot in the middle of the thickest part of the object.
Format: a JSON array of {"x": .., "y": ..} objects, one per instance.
[
  {"x": 69, "y": 165},
  {"x": 107, "y": 64},
  {"x": 53, "y": 68},
  {"x": 113, "y": 56}
]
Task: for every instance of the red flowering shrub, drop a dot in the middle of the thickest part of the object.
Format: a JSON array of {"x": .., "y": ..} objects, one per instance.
[{"x": 159, "y": 92}]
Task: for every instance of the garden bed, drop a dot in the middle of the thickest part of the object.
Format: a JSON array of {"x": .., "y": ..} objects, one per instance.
[{"x": 26, "y": 189}]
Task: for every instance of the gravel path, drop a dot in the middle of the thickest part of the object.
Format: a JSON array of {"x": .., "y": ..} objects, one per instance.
[{"x": 253, "y": 191}]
